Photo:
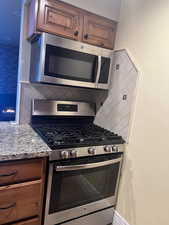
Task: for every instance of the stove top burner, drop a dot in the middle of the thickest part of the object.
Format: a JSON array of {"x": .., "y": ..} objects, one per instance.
[{"x": 69, "y": 135}]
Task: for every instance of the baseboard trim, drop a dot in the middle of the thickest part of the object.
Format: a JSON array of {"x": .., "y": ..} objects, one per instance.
[{"x": 118, "y": 219}]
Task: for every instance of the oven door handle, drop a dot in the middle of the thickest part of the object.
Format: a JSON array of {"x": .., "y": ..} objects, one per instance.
[
  {"x": 98, "y": 69},
  {"x": 87, "y": 166}
]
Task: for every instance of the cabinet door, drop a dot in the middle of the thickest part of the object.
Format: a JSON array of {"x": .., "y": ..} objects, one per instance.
[
  {"x": 59, "y": 18},
  {"x": 99, "y": 31}
]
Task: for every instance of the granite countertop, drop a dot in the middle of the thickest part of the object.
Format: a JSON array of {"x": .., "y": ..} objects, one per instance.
[{"x": 20, "y": 142}]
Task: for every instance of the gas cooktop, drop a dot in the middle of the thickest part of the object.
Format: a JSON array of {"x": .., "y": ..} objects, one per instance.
[
  {"x": 71, "y": 136},
  {"x": 69, "y": 130}
]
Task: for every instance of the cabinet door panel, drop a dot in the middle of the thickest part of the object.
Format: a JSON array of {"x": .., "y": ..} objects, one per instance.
[
  {"x": 99, "y": 31},
  {"x": 59, "y": 18}
]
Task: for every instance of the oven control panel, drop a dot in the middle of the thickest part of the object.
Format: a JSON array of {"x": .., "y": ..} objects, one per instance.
[{"x": 86, "y": 151}]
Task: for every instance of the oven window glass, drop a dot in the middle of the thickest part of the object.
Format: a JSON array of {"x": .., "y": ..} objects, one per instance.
[
  {"x": 70, "y": 64},
  {"x": 76, "y": 188}
]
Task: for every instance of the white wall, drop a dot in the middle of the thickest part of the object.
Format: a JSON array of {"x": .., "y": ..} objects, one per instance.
[
  {"x": 144, "y": 191},
  {"x": 107, "y": 8}
]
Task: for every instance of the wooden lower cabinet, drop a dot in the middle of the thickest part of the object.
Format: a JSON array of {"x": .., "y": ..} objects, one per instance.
[
  {"x": 20, "y": 171},
  {"x": 34, "y": 221},
  {"x": 21, "y": 201}
]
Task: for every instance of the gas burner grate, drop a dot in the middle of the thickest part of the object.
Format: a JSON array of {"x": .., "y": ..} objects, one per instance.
[{"x": 66, "y": 135}]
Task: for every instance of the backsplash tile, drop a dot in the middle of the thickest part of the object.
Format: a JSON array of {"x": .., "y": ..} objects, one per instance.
[
  {"x": 118, "y": 219},
  {"x": 115, "y": 114},
  {"x": 31, "y": 91}
]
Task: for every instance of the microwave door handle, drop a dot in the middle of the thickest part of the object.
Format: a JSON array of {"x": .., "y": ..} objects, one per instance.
[
  {"x": 87, "y": 166},
  {"x": 98, "y": 69}
]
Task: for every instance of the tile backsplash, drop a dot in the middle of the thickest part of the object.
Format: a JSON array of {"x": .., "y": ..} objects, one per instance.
[
  {"x": 41, "y": 91},
  {"x": 116, "y": 112},
  {"x": 118, "y": 219}
]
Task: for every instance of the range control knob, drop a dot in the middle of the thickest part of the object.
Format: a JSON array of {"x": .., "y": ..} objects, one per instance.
[
  {"x": 73, "y": 153},
  {"x": 65, "y": 154},
  {"x": 92, "y": 151},
  {"x": 107, "y": 149},
  {"x": 115, "y": 148}
]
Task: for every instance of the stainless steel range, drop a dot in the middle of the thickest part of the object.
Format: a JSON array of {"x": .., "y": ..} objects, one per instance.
[{"x": 84, "y": 166}]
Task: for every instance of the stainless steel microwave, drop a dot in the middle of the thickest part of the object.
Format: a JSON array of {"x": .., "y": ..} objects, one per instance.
[{"x": 56, "y": 60}]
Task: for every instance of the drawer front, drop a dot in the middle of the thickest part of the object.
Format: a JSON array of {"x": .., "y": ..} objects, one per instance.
[
  {"x": 14, "y": 172},
  {"x": 20, "y": 201},
  {"x": 29, "y": 222}
]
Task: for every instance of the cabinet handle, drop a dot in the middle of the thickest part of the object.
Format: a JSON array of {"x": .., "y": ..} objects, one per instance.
[
  {"x": 76, "y": 33},
  {"x": 8, "y": 174},
  {"x": 86, "y": 36},
  {"x": 8, "y": 207}
]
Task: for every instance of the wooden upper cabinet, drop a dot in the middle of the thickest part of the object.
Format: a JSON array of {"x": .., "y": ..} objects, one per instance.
[
  {"x": 99, "y": 31},
  {"x": 62, "y": 19},
  {"x": 59, "y": 18}
]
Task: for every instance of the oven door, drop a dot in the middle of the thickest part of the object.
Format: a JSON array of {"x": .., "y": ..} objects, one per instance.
[
  {"x": 81, "y": 186},
  {"x": 68, "y": 62}
]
